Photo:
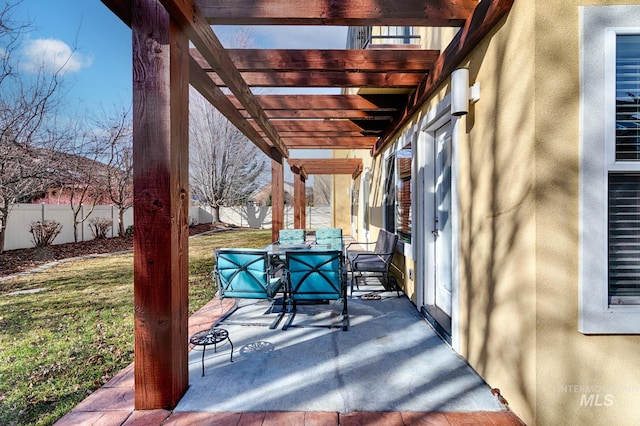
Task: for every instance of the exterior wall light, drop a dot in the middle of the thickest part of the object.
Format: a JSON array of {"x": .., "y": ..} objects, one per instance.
[{"x": 461, "y": 93}]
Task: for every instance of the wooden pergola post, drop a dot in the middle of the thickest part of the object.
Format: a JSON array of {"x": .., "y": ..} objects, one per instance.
[
  {"x": 277, "y": 195},
  {"x": 161, "y": 167},
  {"x": 299, "y": 198}
]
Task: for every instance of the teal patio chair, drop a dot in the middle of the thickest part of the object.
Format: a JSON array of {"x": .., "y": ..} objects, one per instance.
[
  {"x": 315, "y": 276},
  {"x": 246, "y": 274},
  {"x": 291, "y": 236},
  {"x": 331, "y": 237}
]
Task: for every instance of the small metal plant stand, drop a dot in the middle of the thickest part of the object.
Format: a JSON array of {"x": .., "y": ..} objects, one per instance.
[{"x": 211, "y": 336}]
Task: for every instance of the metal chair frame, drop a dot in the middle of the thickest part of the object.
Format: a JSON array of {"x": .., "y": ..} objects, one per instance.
[
  {"x": 315, "y": 276},
  {"x": 246, "y": 274}
]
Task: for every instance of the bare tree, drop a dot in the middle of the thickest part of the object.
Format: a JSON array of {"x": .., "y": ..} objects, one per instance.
[
  {"x": 84, "y": 177},
  {"x": 225, "y": 168},
  {"x": 27, "y": 104},
  {"x": 321, "y": 190},
  {"x": 117, "y": 130}
]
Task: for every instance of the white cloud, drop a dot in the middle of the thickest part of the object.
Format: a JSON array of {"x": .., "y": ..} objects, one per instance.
[{"x": 52, "y": 55}]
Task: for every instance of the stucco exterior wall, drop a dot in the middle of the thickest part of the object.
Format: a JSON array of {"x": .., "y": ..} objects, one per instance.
[
  {"x": 518, "y": 179},
  {"x": 573, "y": 369},
  {"x": 497, "y": 213},
  {"x": 342, "y": 203}
]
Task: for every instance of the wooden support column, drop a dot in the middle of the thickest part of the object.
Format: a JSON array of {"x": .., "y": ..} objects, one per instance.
[
  {"x": 161, "y": 203},
  {"x": 299, "y": 198},
  {"x": 277, "y": 195}
]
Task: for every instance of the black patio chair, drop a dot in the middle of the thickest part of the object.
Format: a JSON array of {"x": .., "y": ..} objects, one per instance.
[{"x": 376, "y": 262}]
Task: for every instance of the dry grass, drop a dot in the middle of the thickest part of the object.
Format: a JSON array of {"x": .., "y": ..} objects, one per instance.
[{"x": 60, "y": 344}]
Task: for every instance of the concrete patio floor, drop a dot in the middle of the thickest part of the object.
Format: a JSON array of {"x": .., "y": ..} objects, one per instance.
[{"x": 390, "y": 368}]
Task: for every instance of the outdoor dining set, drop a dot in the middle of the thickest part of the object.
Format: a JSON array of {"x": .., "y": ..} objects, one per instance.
[{"x": 293, "y": 271}]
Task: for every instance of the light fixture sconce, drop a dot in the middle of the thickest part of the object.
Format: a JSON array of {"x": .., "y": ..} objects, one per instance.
[{"x": 461, "y": 93}]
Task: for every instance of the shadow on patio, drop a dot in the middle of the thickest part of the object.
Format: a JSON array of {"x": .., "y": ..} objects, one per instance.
[{"x": 389, "y": 368}]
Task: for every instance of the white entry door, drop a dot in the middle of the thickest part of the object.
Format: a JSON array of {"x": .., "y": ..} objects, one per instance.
[{"x": 442, "y": 228}]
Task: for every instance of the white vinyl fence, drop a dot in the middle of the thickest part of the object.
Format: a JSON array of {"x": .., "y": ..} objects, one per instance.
[{"x": 22, "y": 215}]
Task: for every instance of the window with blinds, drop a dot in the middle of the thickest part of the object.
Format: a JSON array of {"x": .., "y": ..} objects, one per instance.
[
  {"x": 628, "y": 97},
  {"x": 624, "y": 238},
  {"x": 624, "y": 186},
  {"x": 403, "y": 188},
  {"x": 390, "y": 195}
]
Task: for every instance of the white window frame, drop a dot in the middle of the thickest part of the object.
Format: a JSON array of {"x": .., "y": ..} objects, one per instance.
[
  {"x": 599, "y": 26},
  {"x": 407, "y": 137}
]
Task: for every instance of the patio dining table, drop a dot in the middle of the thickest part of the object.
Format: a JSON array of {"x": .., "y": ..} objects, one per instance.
[{"x": 280, "y": 250}]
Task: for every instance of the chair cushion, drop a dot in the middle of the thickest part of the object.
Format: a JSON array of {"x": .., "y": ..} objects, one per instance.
[
  {"x": 386, "y": 243},
  {"x": 315, "y": 275},
  {"x": 291, "y": 236},
  {"x": 244, "y": 274},
  {"x": 331, "y": 237},
  {"x": 369, "y": 262}
]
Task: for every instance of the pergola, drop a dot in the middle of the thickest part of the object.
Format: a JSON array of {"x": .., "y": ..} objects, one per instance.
[{"x": 397, "y": 82}]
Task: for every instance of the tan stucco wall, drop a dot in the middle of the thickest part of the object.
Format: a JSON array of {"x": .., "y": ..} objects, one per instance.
[
  {"x": 568, "y": 361},
  {"x": 497, "y": 217},
  {"x": 519, "y": 226},
  {"x": 342, "y": 203},
  {"x": 341, "y": 193}
]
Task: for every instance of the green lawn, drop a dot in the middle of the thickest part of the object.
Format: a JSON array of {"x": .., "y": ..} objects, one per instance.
[{"x": 59, "y": 345}]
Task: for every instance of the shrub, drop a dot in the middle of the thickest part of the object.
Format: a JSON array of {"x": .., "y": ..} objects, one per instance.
[
  {"x": 44, "y": 232},
  {"x": 129, "y": 230},
  {"x": 100, "y": 226},
  {"x": 193, "y": 221}
]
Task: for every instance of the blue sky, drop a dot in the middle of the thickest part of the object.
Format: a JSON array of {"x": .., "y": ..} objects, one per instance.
[{"x": 99, "y": 71}]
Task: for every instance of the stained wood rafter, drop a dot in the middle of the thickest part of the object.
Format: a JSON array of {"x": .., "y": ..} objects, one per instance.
[
  {"x": 327, "y": 166},
  {"x": 436, "y": 13},
  {"x": 326, "y": 79},
  {"x": 333, "y": 142},
  {"x": 200, "y": 81},
  {"x": 348, "y": 60},
  {"x": 328, "y": 102},
  {"x": 187, "y": 15}
]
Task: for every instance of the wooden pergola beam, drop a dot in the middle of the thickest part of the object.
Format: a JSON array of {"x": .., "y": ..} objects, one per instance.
[
  {"x": 187, "y": 15},
  {"x": 202, "y": 83},
  {"x": 299, "y": 197},
  {"x": 161, "y": 202},
  {"x": 325, "y": 102},
  {"x": 322, "y": 114},
  {"x": 332, "y": 134},
  {"x": 485, "y": 17},
  {"x": 123, "y": 9},
  {"x": 354, "y": 60},
  {"x": 357, "y": 142},
  {"x": 316, "y": 126},
  {"x": 326, "y": 166},
  {"x": 277, "y": 196},
  {"x": 327, "y": 79},
  {"x": 434, "y": 13}
]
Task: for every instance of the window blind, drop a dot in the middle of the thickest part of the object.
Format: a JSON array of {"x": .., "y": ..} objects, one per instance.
[
  {"x": 628, "y": 97},
  {"x": 390, "y": 196},
  {"x": 624, "y": 238},
  {"x": 624, "y": 187}
]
